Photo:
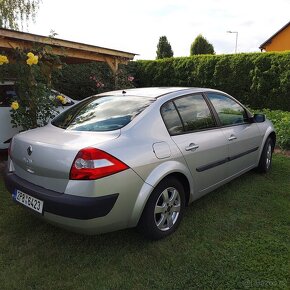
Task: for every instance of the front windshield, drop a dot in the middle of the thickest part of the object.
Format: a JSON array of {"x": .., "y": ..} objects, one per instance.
[{"x": 102, "y": 113}]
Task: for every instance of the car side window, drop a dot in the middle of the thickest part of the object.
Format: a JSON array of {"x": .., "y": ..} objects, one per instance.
[
  {"x": 194, "y": 113},
  {"x": 229, "y": 111},
  {"x": 7, "y": 94},
  {"x": 171, "y": 118}
]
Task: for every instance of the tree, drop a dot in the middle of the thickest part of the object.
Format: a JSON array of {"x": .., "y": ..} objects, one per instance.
[
  {"x": 201, "y": 46},
  {"x": 13, "y": 11},
  {"x": 163, "y": 48}
]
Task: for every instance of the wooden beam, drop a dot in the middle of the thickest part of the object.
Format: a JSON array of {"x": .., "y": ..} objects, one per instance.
[
  {"x": 28, "y": 37},
  {"x": 70, "y": 54},
  {"x": 113, "y": 63}
]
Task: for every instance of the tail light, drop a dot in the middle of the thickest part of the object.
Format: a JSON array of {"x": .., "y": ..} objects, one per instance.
[{"x": 92, "y": 163}]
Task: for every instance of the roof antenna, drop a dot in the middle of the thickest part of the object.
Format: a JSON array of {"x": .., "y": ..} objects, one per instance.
[{"x": 124, "y": 92}]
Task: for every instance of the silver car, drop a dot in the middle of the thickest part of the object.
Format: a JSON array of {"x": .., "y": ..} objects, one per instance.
[{"x": 136, "y": 158}]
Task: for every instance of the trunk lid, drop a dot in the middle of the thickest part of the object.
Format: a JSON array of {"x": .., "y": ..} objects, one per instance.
[{"x": 44, "y": 156}]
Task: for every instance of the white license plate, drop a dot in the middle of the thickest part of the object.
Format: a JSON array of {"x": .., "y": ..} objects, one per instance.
[{"x": 29, "y": 201}]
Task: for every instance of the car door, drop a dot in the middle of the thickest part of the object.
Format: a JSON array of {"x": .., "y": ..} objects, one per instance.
[
  {"x": 192, "y": 127},
  {"x": 7, "y": 96},
  {"x": 243, "y": 136}
]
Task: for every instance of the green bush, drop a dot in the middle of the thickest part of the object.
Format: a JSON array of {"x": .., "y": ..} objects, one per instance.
[
  {"x": 258, "y": 80},
  {"x": 82, "y": 80},
  {"x": 281, "y": 122}
]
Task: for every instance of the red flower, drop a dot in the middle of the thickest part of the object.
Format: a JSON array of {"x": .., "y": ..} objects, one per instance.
[{"x": 99, "y": 84}]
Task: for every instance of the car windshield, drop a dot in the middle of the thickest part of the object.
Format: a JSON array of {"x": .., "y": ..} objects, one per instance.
[{"x": 102, "y": 113}]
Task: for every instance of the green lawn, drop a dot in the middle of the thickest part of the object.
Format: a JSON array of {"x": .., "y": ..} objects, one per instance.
[{"x": 237, "y": 237}]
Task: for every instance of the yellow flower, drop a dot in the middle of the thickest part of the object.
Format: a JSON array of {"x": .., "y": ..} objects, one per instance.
[
  {"x": 30, "y": 54},
  {"x": 15, "y": 105},
  {"x": 32, "y": 59},
  {"x": 62, "y": 99},
  {"x": 3, "y": 59},
  {"x": 29, "y": 61}
]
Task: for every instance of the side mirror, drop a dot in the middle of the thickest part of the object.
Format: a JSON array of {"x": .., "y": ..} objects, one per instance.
[{"x": 259, "y": 118}]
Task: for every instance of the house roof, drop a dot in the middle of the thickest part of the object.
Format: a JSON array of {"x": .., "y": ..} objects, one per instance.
[
  {"x": 73, "y": 52},
  {"x": 262, "y": 46}
]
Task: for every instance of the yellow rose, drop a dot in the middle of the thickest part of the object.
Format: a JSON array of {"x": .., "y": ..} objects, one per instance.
[
  {"x": 3, "y": 59},
  {"x": 35, "y": 59},
  {"x": 30, "y": 54},
  {"x": 62, "y": 99},
  {"x": 32, "y": 59},
  {"x": 29, "y": 61},
  {"x": 15, "y": 105}
]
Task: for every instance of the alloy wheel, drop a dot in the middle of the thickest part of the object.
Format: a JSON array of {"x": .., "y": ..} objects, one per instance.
[
  {"x": 268, "y": 156},
  {"x": 167, "y": 209}
]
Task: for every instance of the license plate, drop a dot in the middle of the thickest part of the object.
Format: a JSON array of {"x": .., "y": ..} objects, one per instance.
[{"x": 29, "y": 201}]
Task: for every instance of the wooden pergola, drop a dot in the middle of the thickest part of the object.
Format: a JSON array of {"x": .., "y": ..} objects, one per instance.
[{"x": 72, "y": 52}]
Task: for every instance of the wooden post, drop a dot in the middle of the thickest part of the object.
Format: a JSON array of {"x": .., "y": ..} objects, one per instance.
[{"x": 114, "y": 65}]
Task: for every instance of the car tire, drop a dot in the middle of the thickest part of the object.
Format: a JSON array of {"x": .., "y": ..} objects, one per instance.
[
  {"x": 164, "y": 210},
  {"x": 266, "y": 157}
]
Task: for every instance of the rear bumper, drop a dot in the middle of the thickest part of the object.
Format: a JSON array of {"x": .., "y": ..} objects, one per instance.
[{"x": 60, "y": 204}]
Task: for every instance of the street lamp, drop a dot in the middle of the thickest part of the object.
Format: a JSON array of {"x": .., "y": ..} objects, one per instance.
[{"x": 237, "y": 33}]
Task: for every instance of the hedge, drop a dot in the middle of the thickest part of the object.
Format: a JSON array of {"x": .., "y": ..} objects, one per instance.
[
  {"x": 82, "y": 80},
  {"x": 259, "y": 80}
]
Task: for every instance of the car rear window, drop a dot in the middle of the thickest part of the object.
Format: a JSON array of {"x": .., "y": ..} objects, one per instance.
[{"x": 102, "y": 113}]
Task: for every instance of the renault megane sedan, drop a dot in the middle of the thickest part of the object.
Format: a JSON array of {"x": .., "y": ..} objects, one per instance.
[{"x": 136, "y": 158}]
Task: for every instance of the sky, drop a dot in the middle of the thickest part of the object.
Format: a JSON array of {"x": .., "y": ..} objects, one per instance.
[{"x": 135, "y": 26}]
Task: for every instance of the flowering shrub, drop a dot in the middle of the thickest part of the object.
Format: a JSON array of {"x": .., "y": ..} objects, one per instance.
[
  {"x": 82, "y": 80},
  {"x": 122, "y": 80},
  {"x": 32, "y": 107}
]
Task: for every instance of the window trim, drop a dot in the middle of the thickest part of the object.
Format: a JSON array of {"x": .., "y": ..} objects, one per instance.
[
  {"x": 249, "y": 115},
  {"x": 171, "y": 101},
  {"x": 212, "y": 113}
]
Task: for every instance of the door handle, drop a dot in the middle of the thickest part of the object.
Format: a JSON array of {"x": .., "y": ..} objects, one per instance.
[
  {"x": 191, "y": 147},
  {"x": 232, "y": 137}
]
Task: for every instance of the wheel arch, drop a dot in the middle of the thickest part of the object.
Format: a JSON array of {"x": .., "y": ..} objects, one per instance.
[
  {"x": 185, "y": 183},
  {"x": 165, "y": 170},
  {"x": 272, "y": 135},
  {"x": 269, "y": 134}
]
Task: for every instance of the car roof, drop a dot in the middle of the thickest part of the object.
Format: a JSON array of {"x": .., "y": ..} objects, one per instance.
[
  {"x": 154, "y": 92},
  {"x": 7, "y": 83}
]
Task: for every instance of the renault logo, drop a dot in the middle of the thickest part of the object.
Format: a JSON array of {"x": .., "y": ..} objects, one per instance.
[{"x": 29, "y": 150}]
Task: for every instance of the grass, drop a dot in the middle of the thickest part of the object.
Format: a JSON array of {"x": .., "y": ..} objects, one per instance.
[{"x": 237, "y": 237}]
